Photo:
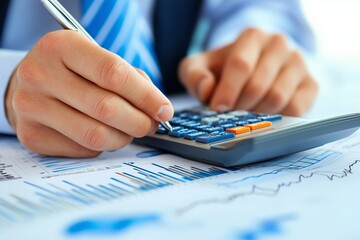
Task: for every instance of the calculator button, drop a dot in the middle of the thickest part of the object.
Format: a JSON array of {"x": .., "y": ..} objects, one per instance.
[
  {"x": 177, "y": 128},
  {"x": 209, "y": 138},
  {"x": 259, "y": 125},
  {"x": 225, "y": 116},
  {"x": 178, "y": 121},
  {"x": 202, "y": 127},
  {"x": 271, "y": 118},
  {"x": 251, "y": 121},
  {"x": 210, "y": 120},
  {"x": 239, "y": 113},
  {"x": 213, "y": 129},
  {"x": 238, "y": 130},
  {"x": 229, "y": 125},
  {"x": 181, "y": 133},
  {"x": 191, "y": 125},
  {"x": 221, "y": 122},
  {"x": 193, "y": 136},
  {"x": 208, "y": 113},
  {"x": 240, "y": 123}
]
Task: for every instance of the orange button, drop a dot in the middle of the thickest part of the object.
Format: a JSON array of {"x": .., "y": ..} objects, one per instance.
[
  {"x": 238, "y": 130},
  {"x": 259, "y": 125}
]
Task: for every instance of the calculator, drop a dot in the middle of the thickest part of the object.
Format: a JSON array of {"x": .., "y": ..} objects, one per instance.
[{"x": 238, "y": 137}]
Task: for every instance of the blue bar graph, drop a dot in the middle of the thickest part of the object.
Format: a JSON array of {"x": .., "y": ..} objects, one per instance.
[{"x": 50, "y": 198}]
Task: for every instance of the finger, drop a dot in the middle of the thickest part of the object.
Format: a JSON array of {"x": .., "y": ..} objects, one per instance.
[
  {"x": 284, "y": 87},
  {"x": 46, "y": 141},
  {"x": 303, "y": 98},
  {"x": 238, "y": 67},
  {"x": 108, "y": 71},
  {"x": 143, "y": 74},
  {"x": 266, "y": 71},
  {"x": 82, "y": 129},
  {"x": 195, "y": 74},
  {"x": 103, "y": 105}
]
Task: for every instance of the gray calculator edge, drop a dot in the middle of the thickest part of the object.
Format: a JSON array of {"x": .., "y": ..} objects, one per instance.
[{"x": 263, "y": 147}]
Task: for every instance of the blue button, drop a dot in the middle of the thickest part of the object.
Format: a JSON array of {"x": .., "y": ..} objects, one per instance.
[
  {"x": 240, "y": 123},
  {"x": 181, "y": 132},
  {"x": 221, "y": 122},
  {"x": 229, "y": 125},
  {"x": 202, "y": 127},
  {"x": 193, "y": 136},
  {"x": 251, "y": 121},
  {"x": 272, "y": 118},
  {"x": 213, "y": 129},
  {"x": 215, "y": 137}
]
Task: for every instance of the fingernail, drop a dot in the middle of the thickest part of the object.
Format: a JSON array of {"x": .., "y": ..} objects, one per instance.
[
  {"x": 165, "y": 113},
  {"x": 222, "y": 108}
]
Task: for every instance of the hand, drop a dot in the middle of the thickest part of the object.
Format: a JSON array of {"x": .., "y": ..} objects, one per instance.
[
  {"x": 257, "y": 72},
  {"x": 69, "y": 97}
]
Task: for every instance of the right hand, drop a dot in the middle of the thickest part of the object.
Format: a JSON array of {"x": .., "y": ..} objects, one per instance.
[{"x": 69, "y": 97}]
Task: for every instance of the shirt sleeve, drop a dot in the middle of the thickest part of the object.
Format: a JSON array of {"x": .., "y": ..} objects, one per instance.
[
  {"x": 8, "y": 62},
  {"x": 226, "y": 19}
]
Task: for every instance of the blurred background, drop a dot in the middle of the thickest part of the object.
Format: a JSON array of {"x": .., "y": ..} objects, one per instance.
[
  {"x": 337, "y": 27},
  {"x": 336, "y": 24}
]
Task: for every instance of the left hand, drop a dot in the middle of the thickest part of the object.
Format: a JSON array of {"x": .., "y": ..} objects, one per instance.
[{"x": 257, "y": 72}]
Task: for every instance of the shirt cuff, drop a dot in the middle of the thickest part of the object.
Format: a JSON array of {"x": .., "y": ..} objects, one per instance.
[{"x": 8, "y": 62}]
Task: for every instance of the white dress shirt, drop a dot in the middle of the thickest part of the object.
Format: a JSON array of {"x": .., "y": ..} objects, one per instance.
[{"x": 220, "y": 22}]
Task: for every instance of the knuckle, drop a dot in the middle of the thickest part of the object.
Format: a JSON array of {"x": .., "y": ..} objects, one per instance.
[
  {"x": 26, "y": 136},
  {"x": 95, "y": 138},
  {"x": 143, "y": 74},
  {"x": 277, "y": 99},
  {"x": 146, "y": 100},
  {"x": 297, "y": 58},
  {"x": 126, "y": 140},
  {"x": 146, "y": 127},
  {"x": 314, "y": 85},
  {"x": 105, "y": 109},
  {"x": 50, "y": 43},
  {"x": 255, "y": 90},
  {"x": 28, "y": 72},
  {"x": 296, "y": 109},
  {"x": 252, "y": 32},
  {"x": 114, "y": 73},
  {"x": 240, "y": 63},
  {"x": 279, "y": 40},
  {"x": 21, "y": 102},
  {"x": 183, "y": 66}
]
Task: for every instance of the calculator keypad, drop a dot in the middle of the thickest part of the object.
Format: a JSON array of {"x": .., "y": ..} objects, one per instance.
[{"x": 206, "y": 126}]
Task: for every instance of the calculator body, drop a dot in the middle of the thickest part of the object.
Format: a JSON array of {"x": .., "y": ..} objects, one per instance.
[{"x": 284, "y": 136}]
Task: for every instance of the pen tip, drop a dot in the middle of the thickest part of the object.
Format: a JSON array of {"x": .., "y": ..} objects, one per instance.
[{"x": 167, "y": 126}]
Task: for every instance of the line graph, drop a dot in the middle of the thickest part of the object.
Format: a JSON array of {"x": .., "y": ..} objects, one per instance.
[{"x": 271, "y": 191}]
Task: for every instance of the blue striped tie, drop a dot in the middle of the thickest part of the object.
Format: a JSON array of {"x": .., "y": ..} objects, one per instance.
[{"x": 119, "y": 26}]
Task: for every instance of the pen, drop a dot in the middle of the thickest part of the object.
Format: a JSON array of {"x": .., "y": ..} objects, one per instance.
[{"x": 67, "y": 21}]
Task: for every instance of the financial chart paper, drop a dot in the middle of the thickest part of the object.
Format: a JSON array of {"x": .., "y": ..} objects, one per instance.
[{"x": 142, "y": 193}]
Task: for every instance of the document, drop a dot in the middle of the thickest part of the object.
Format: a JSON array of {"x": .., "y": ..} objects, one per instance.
[{"x": 142, "y": 193}]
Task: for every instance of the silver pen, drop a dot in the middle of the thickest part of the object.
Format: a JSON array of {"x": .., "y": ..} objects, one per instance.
[{"x": 67, "y": 21}]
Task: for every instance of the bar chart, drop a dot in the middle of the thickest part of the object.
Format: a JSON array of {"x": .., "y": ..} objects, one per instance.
[{"x": 68, "y": 194}]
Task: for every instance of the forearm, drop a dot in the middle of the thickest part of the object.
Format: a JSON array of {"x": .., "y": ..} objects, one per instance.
[{"x": 8, "y": 62}]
